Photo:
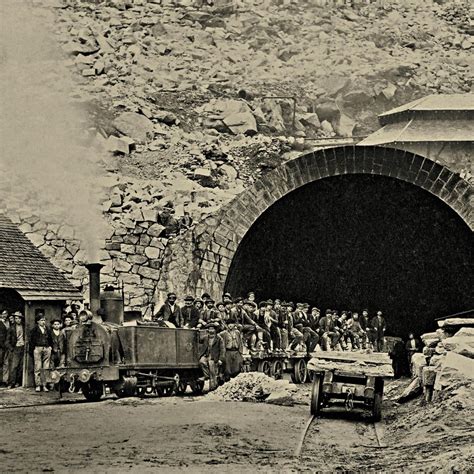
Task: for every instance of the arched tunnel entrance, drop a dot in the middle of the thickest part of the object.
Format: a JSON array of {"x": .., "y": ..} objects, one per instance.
[{"x": 355, "y": 241}]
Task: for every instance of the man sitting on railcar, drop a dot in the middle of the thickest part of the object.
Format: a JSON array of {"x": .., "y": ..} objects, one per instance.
[
  {"x": 189, "y": 314},
  {"x": 170, "y": 311}
]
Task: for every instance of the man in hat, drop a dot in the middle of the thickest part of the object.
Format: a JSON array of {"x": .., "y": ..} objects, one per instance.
[
  {"x": 58, "y": 344},
  {"x": 245, "y": 323},
  {"x": 41, "y": 342},
  {"x": 329, "y": 333},
  {"x": 16, "y": 345},
  {"x": 233, "y": 349},
  {"x": 212, "y": 356},
  {"x": 378, "y": 331},
  {"x": 227, "y": 298},
  {"x": 3, "y": 344},
  {"x": 189, "y": 314},
  {"x": 209, "y": 312},
  {"x": 170, "y": 311}
]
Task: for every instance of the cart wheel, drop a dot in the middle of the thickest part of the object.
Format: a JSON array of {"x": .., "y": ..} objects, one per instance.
[
  {"x": 93, "y": 391},
  {"x": 265, "y": 367},
  {"x": 197, "y": 386},
  {"x": 312, "y": 375},
  {"x": 141, "y": 391},
  {"x": 377, "y": 408},
  {"x": 127, "y": 388},
  {"x": 316, "y": 393},
  {"x": 181, "y": 388},
  {"x": 277, "y": 369},
  {"x": 300, "y": 372}
]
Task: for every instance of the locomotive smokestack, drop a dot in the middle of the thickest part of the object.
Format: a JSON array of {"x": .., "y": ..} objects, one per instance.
[{"x": 94, "y": 288}]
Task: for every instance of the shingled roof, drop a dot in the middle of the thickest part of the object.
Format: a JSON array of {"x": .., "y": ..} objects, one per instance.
[{"x": 24, "y": 268}]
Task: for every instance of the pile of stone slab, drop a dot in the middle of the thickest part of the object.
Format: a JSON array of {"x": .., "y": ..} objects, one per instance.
[
  {"x": 447, "y": 359},
  {"x": 256, "y": 387}
]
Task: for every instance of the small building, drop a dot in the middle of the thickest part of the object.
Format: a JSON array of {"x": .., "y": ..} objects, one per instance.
[
  {"x": 29, "y": 283},
  {"x": 438, "y": 126}
]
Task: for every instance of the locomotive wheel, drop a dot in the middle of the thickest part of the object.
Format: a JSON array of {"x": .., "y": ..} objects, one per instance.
[
  {"x": 300, "y": 373},
  {"x": 316, "y": 394},
  {"x": 165, "y": 391},
  {"x": 127, "y": 387},
  {"x": 197, "y": 386},
  {"x": 93, "y": 391},
  {"x": 277, "y": 369},
  {"x": 265, "y": 367},
  {"x": 181, "y": 388}
]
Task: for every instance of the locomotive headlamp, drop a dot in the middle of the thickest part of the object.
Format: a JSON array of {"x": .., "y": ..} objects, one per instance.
[{"x": 84, "y": 376}]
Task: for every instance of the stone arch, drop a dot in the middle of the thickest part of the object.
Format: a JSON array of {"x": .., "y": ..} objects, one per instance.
[{"x": 217, "y": 238}]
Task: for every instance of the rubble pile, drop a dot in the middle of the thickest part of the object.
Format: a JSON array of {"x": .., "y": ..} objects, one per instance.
[
  {"x": 255, "y": 387},
  {"x": 162, "y": 68},
  {"x": 447, "y": 360}
]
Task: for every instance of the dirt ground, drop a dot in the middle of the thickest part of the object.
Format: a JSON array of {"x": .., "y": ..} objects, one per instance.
[{"x": 194, "y": 434}]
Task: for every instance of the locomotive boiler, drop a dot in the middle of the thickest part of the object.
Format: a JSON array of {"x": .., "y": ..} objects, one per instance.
[{"x": 129, "y": 359}]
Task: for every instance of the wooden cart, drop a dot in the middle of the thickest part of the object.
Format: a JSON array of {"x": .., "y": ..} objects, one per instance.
[{"x": 354, "y": 378}]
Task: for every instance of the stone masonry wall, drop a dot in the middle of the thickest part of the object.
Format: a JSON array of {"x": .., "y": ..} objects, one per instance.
[{"x": 216, "y": 239}]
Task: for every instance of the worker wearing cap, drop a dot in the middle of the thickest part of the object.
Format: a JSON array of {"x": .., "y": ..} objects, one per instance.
[
  {"x": 170, "y": 311},
  {"x": 16, "y": 345},
  {"x": 189, "y": 314},
  {"x": 40, "y": 346}
]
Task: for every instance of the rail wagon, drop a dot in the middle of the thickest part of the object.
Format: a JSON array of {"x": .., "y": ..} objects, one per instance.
[{"x": 353, "y": 378}]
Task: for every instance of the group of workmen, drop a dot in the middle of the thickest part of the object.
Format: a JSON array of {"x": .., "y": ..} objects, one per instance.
[
  {"x": 45, "y": 345},
  {"x": 238, "y": 326}
]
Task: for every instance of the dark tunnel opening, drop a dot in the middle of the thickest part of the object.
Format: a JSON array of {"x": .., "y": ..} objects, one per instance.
[{"x": 356, "y": 241}]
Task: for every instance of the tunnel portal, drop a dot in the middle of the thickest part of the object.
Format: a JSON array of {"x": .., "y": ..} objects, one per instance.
[{"x": 355, "y": 241}]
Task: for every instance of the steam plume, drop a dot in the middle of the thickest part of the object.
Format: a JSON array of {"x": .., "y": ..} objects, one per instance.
[{"x": 43, "y": 148}]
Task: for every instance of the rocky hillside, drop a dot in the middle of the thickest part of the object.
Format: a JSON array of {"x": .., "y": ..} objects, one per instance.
[
  {"x": 191, "y": 102},
  {"x": 184, "y": 82}
]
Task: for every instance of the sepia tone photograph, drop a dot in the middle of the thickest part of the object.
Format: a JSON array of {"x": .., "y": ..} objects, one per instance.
[{"x": 236, "y": 236}]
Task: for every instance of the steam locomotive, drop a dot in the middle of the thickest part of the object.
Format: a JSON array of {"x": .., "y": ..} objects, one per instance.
[{"x": 129, "y": 360}]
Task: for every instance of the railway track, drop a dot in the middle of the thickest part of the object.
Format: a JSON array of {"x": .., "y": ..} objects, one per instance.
[{"x": 311, "y": 421}]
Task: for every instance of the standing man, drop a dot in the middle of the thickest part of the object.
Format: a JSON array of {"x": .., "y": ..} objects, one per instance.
[
  {"x": 189, "y": 314},
  {"x": 170, "y": 311},
  {"x": 233, "y": 349},
  {"x": 3, "y": 343},
  {"x": 212, "y": 357},
  {"x": 58, "y": 344},
  {"x": 16, "y": 345},
  {"x": 411, "y": 347},
  {"x": 378, "y": 331},
  {"x": 41, "y": 342}
]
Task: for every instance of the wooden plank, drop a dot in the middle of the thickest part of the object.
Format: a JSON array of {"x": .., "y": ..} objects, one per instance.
[
  {"x": 381, "y": 370},
  {"x": 372, "y": 358}
]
